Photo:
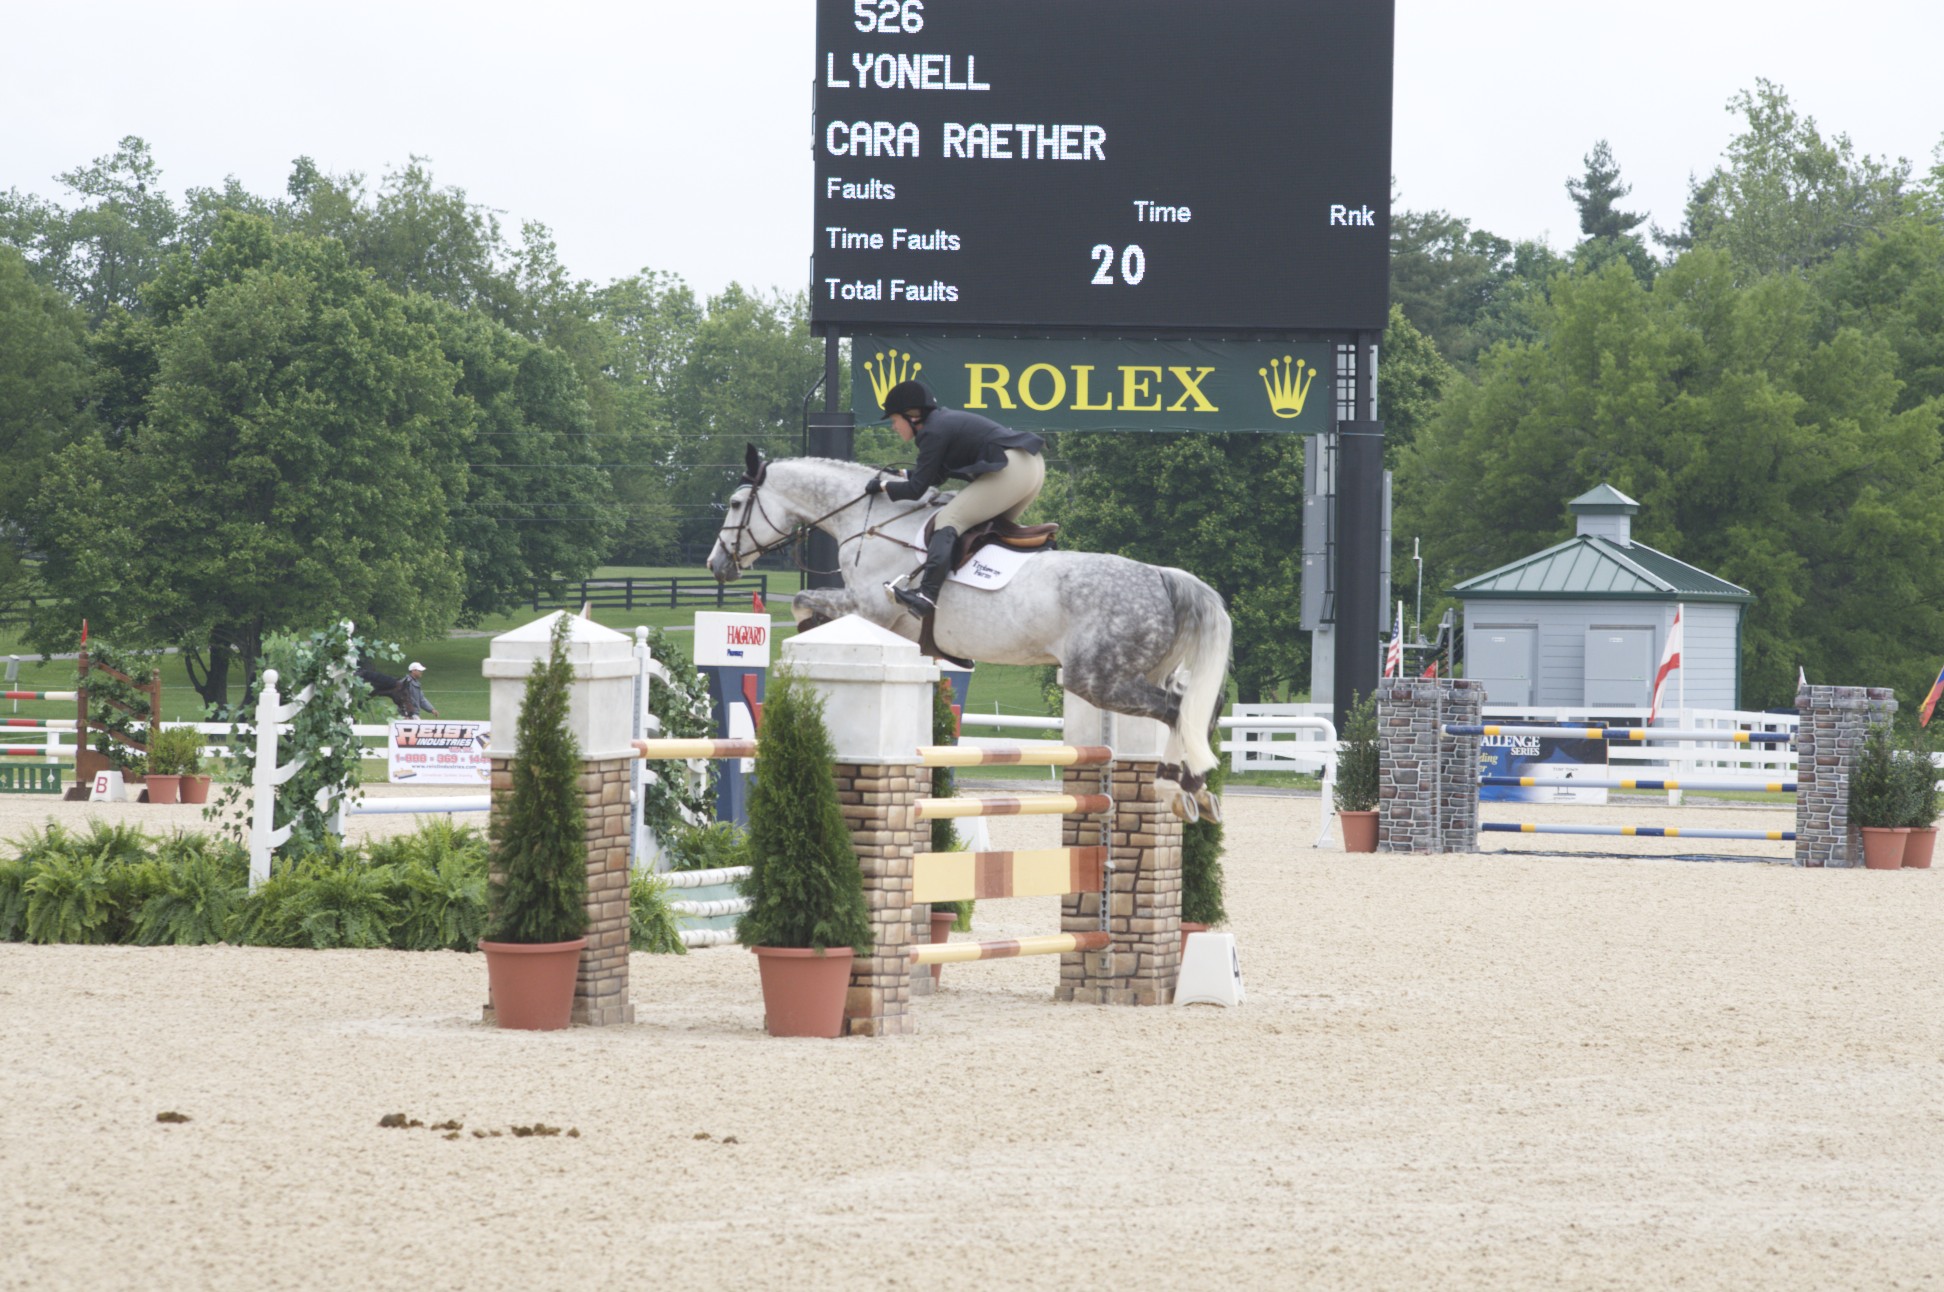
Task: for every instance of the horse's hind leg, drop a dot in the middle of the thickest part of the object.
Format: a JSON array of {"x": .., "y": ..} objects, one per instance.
[{"x": 1134, "y": 695}]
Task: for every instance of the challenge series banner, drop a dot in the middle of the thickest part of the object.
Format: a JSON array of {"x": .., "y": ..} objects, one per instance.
[{"x": 1106, "y": 385}]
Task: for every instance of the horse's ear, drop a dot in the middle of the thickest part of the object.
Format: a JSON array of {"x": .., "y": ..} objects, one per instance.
[{"x": 753, "y": 465}]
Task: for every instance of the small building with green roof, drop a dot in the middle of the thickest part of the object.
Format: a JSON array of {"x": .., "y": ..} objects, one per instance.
[{"x": 1580, "y": 627}]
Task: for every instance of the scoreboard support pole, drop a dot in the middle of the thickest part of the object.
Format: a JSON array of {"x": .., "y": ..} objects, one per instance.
[
  {"x": 830, "y": 434},
  {"x": 1360, "y": 536}
]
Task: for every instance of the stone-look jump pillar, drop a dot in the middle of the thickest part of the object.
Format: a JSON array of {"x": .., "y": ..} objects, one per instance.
[
  {"x": 600, "y": 708},
  {"x": 877, "y": 692},
  {"x": 1427, "y": 781},
  {"x": 1834, "y": 722},
  {"x": 1143, "y": 959}
]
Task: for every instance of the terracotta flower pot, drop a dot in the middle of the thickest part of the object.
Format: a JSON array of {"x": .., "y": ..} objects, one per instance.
[
  {"x": 195, "y": 789},
  {"x": 1359, "y": 831},
  {"x": 532, "y": 983},
  {"x": 804, "y": 991},
  {"x": 1918, "y": 847},
  {"x": 163, "y": 789},
  {"x": 1187, "y": 927},
  {"x": 941, "y": 931},
  {"x": 1883, "y": 847}
]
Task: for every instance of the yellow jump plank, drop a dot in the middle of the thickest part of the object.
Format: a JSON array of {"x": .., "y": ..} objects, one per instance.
[{"x": 1031, "y": 872}]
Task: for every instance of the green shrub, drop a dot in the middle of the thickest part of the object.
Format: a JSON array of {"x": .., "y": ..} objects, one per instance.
[
  {"x": 1917, "y": 776},
  {"x": 68, "y": 899},
  {"x": 540, "y": 845},
  {"x": 325, "y": 898},
  {"x": 708, "y": 847},
  {"x": 944, "y": 785},
  {"x": 651, "y": 924},
  {"x": 441, "y": 902},
  {"x": 804, "y": 886},
  {"x": 1356, "y": 778},
  {"x": 1876, "y": 796},
  {"x": 1201, "y": 862},
  {"x": 202, "y": 884},
  {"x": 174, "y": 751},
  {"x": 14, "y": 874}
]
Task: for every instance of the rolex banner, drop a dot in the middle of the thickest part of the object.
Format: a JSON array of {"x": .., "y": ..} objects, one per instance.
[{"x": 1105, "y": 385}]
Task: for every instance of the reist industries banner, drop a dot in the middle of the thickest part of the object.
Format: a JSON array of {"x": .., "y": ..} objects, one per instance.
[{"x": 1106, "y": 385}]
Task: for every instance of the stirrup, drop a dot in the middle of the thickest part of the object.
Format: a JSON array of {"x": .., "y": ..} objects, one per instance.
[{"x": 915, "y": 601}]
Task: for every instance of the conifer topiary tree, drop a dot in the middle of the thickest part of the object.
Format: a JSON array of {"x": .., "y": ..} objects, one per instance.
[
  {"x": 804, "y": 886},
  {"x": 1356, "y": 784},
  {"x": 539, "y": 893},
  {"x": 1201, "y": 862},
  {"x": 944, "y": 785}
]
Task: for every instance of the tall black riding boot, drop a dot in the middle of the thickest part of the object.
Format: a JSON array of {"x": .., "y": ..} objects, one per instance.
[{"x": 923, "y": 600}]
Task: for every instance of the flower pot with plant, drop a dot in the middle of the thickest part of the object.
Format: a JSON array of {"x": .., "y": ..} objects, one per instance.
[
  {"x": 538, "y": 893},
  {"x": 807, "y": 916},
  {"x": 1877, "y": 801},
  {"x": 173, "y": 754},
  {"x": 1920, "y": 798},
  {"x": 1356, "y": 776}
]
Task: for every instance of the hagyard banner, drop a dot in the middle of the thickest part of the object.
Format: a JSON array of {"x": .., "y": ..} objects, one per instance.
[{"x": 1106, "y": 385}]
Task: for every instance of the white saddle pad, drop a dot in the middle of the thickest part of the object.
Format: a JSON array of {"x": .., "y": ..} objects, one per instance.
[{"x": 992, "y": 568}]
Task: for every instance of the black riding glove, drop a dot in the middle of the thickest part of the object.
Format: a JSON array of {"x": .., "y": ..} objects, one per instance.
[{"x": 875, "y": 485}]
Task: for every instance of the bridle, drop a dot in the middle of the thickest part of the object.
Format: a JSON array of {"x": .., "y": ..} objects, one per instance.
[{"x": 796, "y": 534}]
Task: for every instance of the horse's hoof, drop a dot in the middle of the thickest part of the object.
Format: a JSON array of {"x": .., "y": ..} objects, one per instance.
[
  {"x": 1183, "y": 806},
  {"x": 1211, "y": 807}
]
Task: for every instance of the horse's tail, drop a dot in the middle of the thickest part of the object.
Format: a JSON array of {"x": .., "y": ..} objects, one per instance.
[{"x": 1201, "y": 641}]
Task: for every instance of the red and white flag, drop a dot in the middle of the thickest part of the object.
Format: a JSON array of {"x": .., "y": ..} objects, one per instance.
[
  {"x": 1670, "y": 660},
  {"x": 1394, "y": 654}
]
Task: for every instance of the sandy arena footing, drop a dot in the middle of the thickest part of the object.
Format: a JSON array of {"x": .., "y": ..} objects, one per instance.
[{"x": 1507, "y": 1070}]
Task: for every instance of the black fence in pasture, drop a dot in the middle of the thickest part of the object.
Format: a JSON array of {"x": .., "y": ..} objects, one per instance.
[{"x": 669, "y": 591}]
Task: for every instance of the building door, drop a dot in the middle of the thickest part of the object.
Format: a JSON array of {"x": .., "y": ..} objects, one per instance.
[
  {"x": 1503, "y": 660},
  {"x": 1619, "y": 667}
]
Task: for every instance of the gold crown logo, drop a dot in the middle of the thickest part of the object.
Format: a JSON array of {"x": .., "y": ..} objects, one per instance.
[
  {"x": 1288, "y": 385},
  {"x": 886, "y": 373}
]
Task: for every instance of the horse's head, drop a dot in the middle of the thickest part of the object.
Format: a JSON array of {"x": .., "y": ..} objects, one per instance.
[{"x": 749, "y": 528}]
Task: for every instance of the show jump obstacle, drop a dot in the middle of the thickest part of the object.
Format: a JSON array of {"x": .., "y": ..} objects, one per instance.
[
  {"x": 1429, "y": 736},
  {"x": 1118, "y": 871}
]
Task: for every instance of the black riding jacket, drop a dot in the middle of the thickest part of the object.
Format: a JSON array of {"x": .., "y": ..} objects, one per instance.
[{"x": 957, "y": 445}]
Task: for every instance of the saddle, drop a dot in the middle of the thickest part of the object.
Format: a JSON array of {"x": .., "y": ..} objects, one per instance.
[{"x": 1021, "y": 538}]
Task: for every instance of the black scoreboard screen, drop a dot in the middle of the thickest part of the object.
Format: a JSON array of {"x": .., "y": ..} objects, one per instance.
[{"x": 1152, "y": 165}]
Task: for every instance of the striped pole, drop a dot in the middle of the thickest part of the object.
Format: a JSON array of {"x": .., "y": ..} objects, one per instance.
[
  {"x": 1045, "y": 944},
  {"x": 1636, "y": 831},
  {"x": 40, "y": 695},
  {"x": 1014, "y": 756},
  {"x": 1647, "y": 734},
  {"x": 1625, "y": 783},
  {"x": 426, "y": 805},
  {"x": 39, "y": 724},
  {"x": 1013, "y": 805},
  {"x": 694, "y": 748},
  {"x": 1028, "y": 872},
  {"x": 28, "y": 751}
]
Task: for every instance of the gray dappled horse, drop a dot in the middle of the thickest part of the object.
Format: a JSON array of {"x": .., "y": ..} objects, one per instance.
[{"x": 1144, "y": 640}]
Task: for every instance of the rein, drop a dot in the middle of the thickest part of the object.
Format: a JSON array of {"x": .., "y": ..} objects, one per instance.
[{"x": 798, "y": 534}]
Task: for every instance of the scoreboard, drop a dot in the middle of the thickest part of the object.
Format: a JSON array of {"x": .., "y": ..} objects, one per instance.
[{"x": 1147, "y": 165}]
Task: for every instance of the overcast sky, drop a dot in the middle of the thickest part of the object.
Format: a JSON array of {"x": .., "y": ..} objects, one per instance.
[{"x": 675, "y": 134}]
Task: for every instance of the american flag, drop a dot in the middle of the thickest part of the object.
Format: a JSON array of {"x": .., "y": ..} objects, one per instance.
[{"x": 1394, "y": 655}]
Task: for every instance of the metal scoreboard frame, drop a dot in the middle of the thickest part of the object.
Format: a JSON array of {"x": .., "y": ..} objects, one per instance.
[
  {"x": 1121, "y": 171},
  {"x": 1124, "y": 166}
]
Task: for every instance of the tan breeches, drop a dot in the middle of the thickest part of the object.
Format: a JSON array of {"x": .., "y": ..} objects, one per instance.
[{"x": 1008, "y": 492}]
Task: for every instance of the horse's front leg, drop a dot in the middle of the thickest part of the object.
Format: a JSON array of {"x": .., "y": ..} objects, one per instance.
[{"x": 814, "y": 607}]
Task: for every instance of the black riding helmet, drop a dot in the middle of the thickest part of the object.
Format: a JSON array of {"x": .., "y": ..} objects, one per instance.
[{"x": 907, "y": 395}]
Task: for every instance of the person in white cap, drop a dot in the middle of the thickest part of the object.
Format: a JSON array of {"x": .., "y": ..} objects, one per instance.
[{"x": 414, "y": 701}]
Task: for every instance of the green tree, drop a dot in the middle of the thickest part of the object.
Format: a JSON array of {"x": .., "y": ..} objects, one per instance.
[
  {"x": 101, "y": 252},
  {"x": 536, "y": 506},
  {"x": 1760, "y": 451},
  {"x": 1786, "y": 198},
  {"x": 1607, "y": 232},
  {"x": 296, "y": 453},
  {"x": 44, "y": 375},
  {"x": 750, "y": 365},
  {"x": 1465, "y": 288}
]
